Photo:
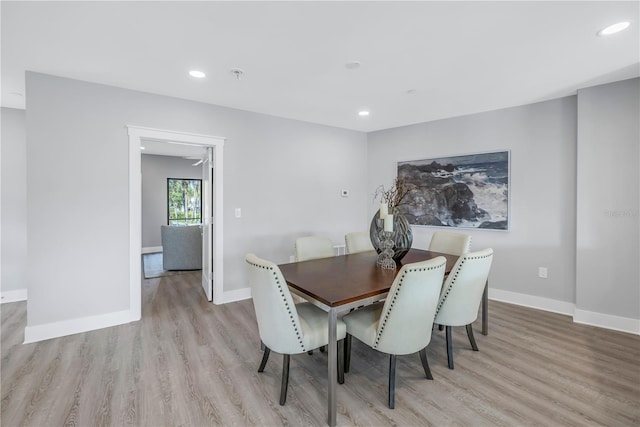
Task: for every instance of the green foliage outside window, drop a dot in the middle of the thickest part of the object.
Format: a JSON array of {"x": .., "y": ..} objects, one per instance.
[{"x": 184, "y": 201}]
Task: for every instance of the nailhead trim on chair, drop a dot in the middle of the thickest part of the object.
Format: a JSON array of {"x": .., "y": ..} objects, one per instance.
[
  {"x": 393, "y": 300},
  {"x": 455, "y": 276},
  {"x": 284, "y": 299}
]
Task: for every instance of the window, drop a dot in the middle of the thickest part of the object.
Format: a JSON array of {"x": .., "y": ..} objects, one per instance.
[{"x": 184, "y": 201}]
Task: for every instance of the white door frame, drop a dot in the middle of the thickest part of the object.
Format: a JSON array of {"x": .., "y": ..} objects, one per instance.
[{"x": 136, "y": 135}]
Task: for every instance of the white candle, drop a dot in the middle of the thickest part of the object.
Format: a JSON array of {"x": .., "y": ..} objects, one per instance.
[
  {"x": 388, "y": 223},
  {"x": 384, "y": 210}
]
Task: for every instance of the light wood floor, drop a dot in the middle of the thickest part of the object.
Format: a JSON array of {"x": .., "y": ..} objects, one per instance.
[{"x": 191, "y": 363}]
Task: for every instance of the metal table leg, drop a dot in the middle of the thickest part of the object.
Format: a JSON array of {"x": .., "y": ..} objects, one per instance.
[
  {"x": 332, "y": 365},
  {"x": 485, "y": 309}
]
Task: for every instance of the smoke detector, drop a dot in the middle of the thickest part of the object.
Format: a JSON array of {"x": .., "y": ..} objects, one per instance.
[{"x": 237, "y": 73}]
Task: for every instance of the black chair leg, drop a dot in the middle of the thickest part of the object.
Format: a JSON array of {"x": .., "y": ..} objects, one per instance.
[
  {"x": 449, "y": 347},
  {"x": 392, "y": 381},
  {"x": 472, "y": 340},
  {"x": 347, "y": 353},
  {"x": 440, "y": 327},
  {"x": 322, "y": 349},
  {"x": 265, "y": 357},
  {"x": 341, "y": 361},
  {"x": 285, "y": 378},
  {"x": 425, "y": 363}
]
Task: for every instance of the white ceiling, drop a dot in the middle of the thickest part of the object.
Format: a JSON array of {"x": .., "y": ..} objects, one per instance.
[
  {"x": 174, "y": 149},
  {"x": 459, "y": 57}
]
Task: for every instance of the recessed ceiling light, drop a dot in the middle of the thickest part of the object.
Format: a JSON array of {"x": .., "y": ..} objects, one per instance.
[
  {"x": 412, "y": 91},
  {"x": 352, "y": 65},
  {"x": 363, "y": 113},
  {"x": 615, "y": 28},
  {"x": 142, "y": 148},
  {"x": 197, "y": 74}
]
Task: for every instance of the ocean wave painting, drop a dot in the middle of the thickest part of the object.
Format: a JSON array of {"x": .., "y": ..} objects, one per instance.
[{"x": 469, "y": 191}]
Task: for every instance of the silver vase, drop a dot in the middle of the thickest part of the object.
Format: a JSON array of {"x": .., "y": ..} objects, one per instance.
[{"x": 402, "y": 236}]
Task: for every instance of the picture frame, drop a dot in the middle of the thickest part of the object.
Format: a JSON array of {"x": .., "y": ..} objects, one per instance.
[{"x": 460, "y": 191}]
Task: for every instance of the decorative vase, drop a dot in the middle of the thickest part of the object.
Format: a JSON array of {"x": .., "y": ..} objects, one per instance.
[{"x": 402, "y": 236}]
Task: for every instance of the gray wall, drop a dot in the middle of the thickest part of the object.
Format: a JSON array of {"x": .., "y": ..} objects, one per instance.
[
  {"x": 14, "y": 201},
  {"x": 542, "y": 141},
  {"x": 155, "y": 171},
  {"x": 285, "y": 175},
  {"x": 608, "y": 236}
]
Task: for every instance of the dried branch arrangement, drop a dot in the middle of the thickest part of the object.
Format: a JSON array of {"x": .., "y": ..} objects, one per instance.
[{"x": 395, "y": 194}]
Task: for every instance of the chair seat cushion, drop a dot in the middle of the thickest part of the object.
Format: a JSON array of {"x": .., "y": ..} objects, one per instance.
[
  {"x": 315, "y": 326},
  {"x": 363, "y": 323}
]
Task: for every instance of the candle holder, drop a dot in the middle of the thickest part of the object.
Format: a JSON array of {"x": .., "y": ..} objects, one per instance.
[
  {"x": 380, "y": 226},
  {"x": 385, "y": 258}
]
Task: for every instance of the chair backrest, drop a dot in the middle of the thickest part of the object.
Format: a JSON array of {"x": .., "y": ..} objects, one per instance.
[
  {"x": 313, "y": 247},
  {"x": 358, "y": 241},
  {"x": 462, "y": 291},
  {"x": 278, "y": 322},
  {"x": 447, "y": 242},
  {"x": 407, "y": 315}
]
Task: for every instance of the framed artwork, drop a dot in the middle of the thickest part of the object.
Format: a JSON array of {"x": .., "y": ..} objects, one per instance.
[{"x": 468, "y": 191}]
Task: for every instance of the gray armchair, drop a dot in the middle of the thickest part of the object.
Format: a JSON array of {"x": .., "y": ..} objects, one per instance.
[{"x": 181, "y": 247}]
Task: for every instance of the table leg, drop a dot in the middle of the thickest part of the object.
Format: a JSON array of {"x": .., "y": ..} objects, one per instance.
[
  {"x": 332, "y": 365},
  {"x": 485, "y": 309}
]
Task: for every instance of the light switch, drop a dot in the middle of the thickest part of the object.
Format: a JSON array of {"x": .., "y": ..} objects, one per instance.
[{"x": 238, "y": 212}]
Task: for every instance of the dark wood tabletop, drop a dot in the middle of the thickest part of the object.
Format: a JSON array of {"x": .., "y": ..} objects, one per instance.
[{"x": 339, "y": 280}]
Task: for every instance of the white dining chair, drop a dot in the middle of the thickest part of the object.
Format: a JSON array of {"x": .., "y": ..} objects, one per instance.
[
  {"x": 461, "y": 294},
  {"x": 403, "y": 323},
  {"x": 313, "y": 247},
  {"x": 447, "y": 242},
  {"x": 285, "y": 327},
  {"x": 358, "y": 241}
]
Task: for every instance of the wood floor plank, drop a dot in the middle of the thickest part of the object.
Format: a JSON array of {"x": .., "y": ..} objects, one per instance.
[{"x": 192, "y": 363}]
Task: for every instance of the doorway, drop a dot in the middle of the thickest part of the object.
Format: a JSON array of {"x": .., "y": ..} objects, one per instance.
[{"x": 212, "y": 282}]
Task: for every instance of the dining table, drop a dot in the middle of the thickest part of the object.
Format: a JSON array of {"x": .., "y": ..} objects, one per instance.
[{"x": 341, "y": 283}]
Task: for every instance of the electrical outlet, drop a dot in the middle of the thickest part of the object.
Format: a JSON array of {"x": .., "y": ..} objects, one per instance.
[
  {"x": 542, "y": 272},
  {"x": 292, "y": 258}
]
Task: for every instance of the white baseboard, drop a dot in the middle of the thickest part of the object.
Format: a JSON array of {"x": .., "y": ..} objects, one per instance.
[
  {"x": 151, "y": 250},
  {"x": 609, "y": 321},
  {"x": 75, "y": 326},
  {"x": 13, "y": 296},
  {"x": 540, "y": 303},
  {"x": 236, "y": 295},
  {"x": 85, "y": 324}
]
